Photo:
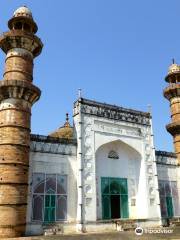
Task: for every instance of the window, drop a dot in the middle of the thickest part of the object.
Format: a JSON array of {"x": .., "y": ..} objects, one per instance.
[
  {"x": 168, "y": 198},
  {"x": 113, "y": 154},
  {"x": 18, "y": 25},
  {"x": 26, "y": 27},
  {"x": 49, "y": 200}
]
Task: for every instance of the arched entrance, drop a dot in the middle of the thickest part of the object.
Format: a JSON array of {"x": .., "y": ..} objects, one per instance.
[{"x": 114, "y": 193}]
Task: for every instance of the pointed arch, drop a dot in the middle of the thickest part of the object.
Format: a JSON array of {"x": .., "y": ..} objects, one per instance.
[{"x": 124, "y": 144}]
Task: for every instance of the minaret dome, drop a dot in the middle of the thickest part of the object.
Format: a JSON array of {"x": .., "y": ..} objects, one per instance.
[
  {"x": 23, "y": 20},
  {"x": 23, "y": 11}
]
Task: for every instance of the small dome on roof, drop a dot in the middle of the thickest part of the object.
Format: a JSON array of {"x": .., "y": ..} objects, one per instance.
[
  {"x": 173, "y": 68},
  {"x": 23, "y": 12},
  {"x": 64, "y": 132}
]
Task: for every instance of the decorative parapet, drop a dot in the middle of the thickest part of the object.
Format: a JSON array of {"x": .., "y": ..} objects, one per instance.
[
  {"x": 166, "y": 158},
  {"x": 111, "y": 112},
  {"x": 46, "y": 144},
  {"x": 48, "y": 139}
]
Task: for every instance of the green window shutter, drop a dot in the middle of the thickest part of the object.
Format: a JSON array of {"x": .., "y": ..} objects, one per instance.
[
  {"x": 169, "y": 206},
  {"x": 124, "y": 206},
  {"x": 106, "y": 206},
  {"x": 49, "y": 215},
  {"x": 52, "y": 214},
  {"x": 47, "y": 201},
  {"x": 124, "y": 187},
  {"x": 104, "y": 185},
  {"x": 53, "y": 203}
]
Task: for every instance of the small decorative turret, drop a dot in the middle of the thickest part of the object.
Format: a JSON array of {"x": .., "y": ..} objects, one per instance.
[
  {"x": 17, "y": 95},
  {"x": 172, "y": 93}
]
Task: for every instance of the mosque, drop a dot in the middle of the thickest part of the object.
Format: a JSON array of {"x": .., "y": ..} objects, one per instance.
[{"x": 87, "y": 177}]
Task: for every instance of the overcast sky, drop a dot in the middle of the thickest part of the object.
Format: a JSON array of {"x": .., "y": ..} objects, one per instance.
[{"x": 117, "y": 51}]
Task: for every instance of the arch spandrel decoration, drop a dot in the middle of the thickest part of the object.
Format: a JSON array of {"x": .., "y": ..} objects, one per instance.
[
  {"x": 113, "y": 155},
  {"x": 131, "y": 145},
  {"x": 136, "y": 152}
]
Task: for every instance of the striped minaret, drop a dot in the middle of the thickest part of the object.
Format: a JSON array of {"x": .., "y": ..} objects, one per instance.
[
  {"x": 17, "y": 95},
  {"x": 172, "y": 93}
]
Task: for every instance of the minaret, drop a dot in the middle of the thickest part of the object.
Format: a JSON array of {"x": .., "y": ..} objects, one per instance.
[
  {"x": 17, "y": 95},
  {"x": 172, "y": 93}
]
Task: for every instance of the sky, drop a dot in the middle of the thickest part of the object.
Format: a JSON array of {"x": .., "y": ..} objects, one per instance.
[{"x": 116, "y": 51}]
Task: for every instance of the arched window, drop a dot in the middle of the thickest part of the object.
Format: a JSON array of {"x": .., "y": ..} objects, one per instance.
[
  {"x": 61, "y": 207},
  {"x": 18, "y": 26},
  {"x": 113, "y": 154},
  {"x": 38, "y": 206},
  {"x": 26, "y": 27},
  {"x": 49, "y": 203}
]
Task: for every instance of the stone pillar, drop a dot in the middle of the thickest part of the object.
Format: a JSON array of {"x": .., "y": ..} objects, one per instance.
[
  {"x": 17, "y": 95},
  {"x": 172, "y": 93},
  {"x": 80, "y": 225}
]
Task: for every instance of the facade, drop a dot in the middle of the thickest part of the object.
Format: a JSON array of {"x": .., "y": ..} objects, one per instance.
[
  {"x": 80, "y": 177},
  {"x": 108, "y": 169}
]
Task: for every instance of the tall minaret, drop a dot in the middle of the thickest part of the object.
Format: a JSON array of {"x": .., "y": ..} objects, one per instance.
[
  {"x": 17, "y": 95},
  {"x": 172, "y": 93}
]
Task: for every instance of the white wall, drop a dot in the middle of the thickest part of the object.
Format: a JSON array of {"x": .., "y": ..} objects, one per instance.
[
  {"x": 54, "y": 164},
  {"x": 170, "y": 172}
]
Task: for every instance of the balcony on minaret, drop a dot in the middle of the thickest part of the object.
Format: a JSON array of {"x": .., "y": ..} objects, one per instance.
[
  {"x": 173, "y": 78},
  {"x": 21, "y": 46},
  {"x": 22, "y": 33}
]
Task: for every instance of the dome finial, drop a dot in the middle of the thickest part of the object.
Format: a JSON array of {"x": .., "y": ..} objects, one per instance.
[
  {"x": 67, "y": 117},
  {"x": 79, "y": 93},
  {"x": 174, "y": 67},
  {"x": 23, "y": 11},
  {"x": 67, "y": 124}
]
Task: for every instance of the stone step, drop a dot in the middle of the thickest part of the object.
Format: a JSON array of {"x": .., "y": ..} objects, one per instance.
[{"x": 175, "y": 221}]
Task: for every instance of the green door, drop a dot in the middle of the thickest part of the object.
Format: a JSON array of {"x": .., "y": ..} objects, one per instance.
[
  {"x": 106, "y": 207},
  {"x": 114, "y": 192},
  {"x": 124, "y": 206},
  {"x": 169, "y": 206},
  {"x": 49, "y": 215}
]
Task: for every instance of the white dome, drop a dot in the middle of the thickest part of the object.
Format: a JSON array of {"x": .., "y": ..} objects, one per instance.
[
  {"x": 173, "y": 68},
  {"x": 23, "y": 11}
]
